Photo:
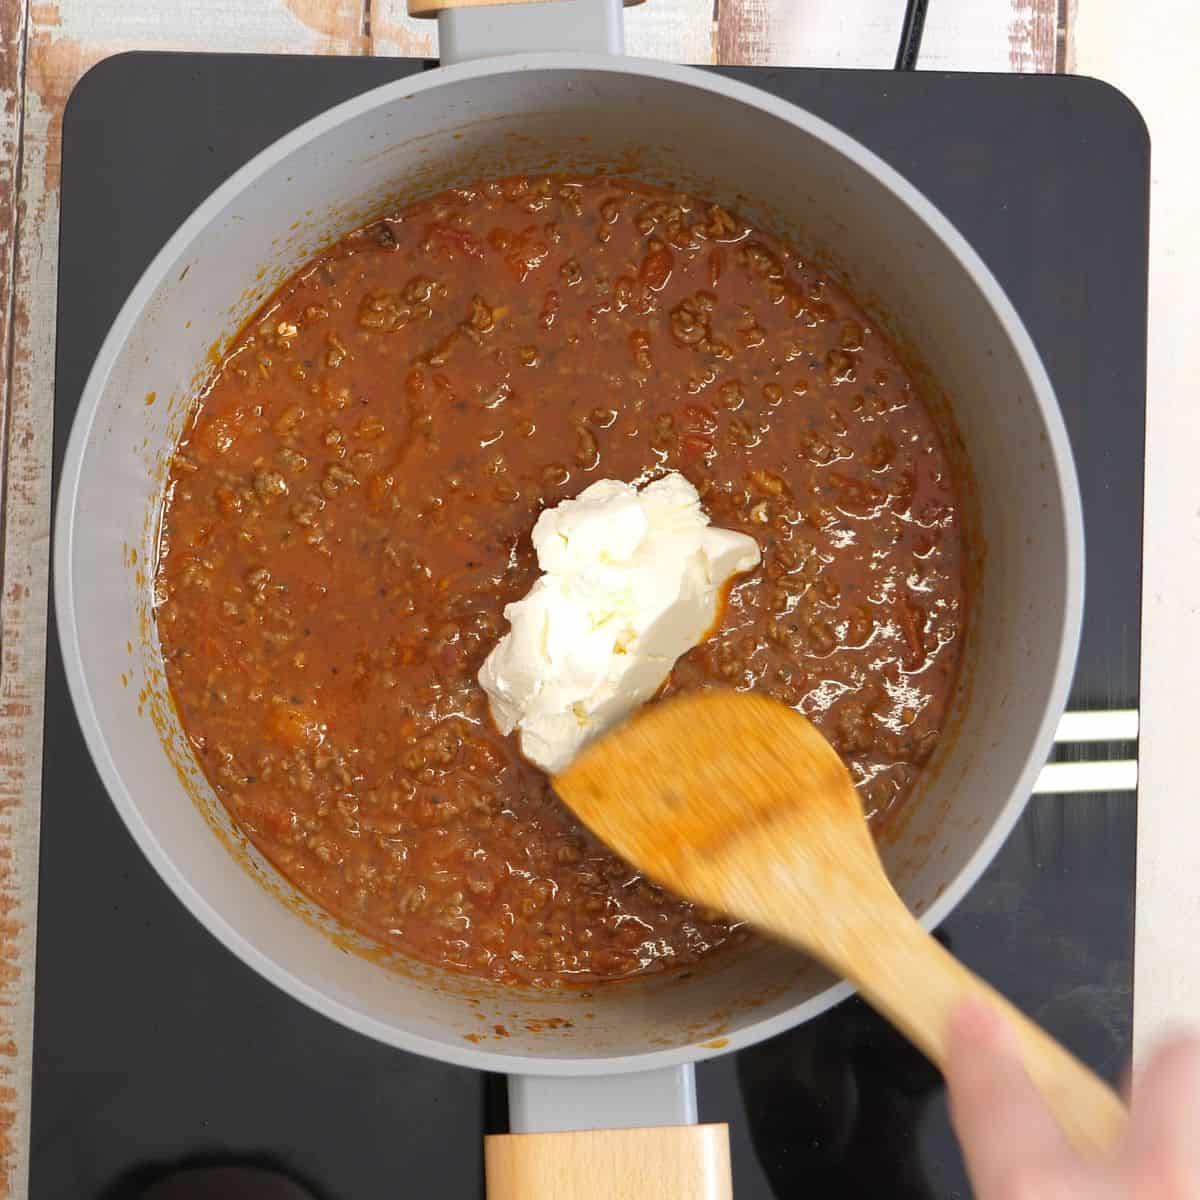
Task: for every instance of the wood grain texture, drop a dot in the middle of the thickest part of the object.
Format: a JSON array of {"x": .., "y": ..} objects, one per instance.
[
  {"x": 18, "y": 806},
  {"x": 689, "y": 1161},
  {"x": 394, "y": 33},
  {"x": 1033, "y": 36},
  {"x": 18, "y": 703},
  {"x": 1068, "y": 23},
  {"x": 984, "y": 35}
]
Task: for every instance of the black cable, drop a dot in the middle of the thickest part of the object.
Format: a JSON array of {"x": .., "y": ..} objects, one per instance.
[{"x": 910, "y": 35}]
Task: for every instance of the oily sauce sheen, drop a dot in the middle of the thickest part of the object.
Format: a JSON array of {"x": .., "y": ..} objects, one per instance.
[{"x": 350, "y": 510}]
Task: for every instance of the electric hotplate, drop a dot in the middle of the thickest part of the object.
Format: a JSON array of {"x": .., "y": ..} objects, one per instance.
[{"x": 155, "y": 1048}]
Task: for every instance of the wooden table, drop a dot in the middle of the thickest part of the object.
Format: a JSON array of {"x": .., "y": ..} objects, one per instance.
[{"x": 45, "y": 46}]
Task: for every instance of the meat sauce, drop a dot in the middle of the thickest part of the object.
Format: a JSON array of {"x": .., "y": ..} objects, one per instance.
[{"x": 349, "y": 511}]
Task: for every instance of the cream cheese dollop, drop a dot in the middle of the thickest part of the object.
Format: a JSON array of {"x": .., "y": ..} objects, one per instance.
[{"x": 632, "y": 579}]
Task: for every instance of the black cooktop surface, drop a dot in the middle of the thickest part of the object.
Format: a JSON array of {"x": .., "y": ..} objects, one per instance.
[{"x": 155, "y": 1047}]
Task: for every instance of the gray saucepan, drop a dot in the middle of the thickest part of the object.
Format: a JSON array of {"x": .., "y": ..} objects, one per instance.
[{"x": 545, "y": 107}]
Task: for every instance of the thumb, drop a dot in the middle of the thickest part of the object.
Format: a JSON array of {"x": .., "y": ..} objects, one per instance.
[
  {"x": 1004, "y": 1125},
  {"x": 1163, "y": 1141}
]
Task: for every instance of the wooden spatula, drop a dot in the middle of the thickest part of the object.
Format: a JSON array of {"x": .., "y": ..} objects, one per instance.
[{"x": 739, "y": 803}]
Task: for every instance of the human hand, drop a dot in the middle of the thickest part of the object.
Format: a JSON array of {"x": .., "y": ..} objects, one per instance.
[{"x": 1015, "y": 1149}]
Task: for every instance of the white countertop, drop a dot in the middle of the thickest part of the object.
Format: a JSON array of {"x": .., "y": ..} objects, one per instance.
[{"x": 1150, "y": 50}]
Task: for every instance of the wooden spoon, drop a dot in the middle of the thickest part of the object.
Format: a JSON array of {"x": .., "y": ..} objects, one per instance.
[{"x": 740, "y": 804}]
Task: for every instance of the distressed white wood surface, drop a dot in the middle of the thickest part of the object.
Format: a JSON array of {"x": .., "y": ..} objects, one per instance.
[
  {"x": 45, "y": 46},
  {"x": 982, "y": 35},
  {"x": 960, "y": 35},
  {"x": 18, "y": 803}
]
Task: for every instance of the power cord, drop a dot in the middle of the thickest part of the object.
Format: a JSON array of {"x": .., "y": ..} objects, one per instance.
[{"x": 910, "y": 35}]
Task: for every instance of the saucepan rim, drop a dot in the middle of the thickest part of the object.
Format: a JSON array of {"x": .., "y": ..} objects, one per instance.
[{"x": 448, "y": 77}]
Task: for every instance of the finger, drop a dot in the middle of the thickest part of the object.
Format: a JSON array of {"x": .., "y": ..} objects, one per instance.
[
  {"x": 1003, "y": 1123},
  {"x": 1163, "y": 1140}
]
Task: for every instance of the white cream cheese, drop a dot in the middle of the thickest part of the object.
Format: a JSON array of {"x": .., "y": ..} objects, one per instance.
[{"x": 632, "y": 579}]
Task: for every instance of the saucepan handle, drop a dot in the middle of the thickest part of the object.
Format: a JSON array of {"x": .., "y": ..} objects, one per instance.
[
  {"x": 470, "y": 29},
  {"x": 681, "y": 1162},
  {"x": 608, "y": 1137}
]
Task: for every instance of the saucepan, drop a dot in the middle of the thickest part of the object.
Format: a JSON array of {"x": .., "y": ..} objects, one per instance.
[{"x": 522, "y": 91}]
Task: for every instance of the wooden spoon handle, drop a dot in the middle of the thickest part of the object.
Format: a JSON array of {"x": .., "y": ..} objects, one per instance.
[{"x": 908, "y": 976}]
